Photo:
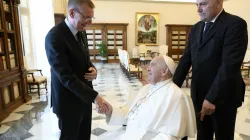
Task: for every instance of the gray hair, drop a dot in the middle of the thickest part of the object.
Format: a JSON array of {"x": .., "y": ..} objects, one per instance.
[{"x": 76, "y": 3}]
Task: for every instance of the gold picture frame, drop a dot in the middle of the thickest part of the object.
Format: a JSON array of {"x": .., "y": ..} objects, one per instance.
[{"x": 147, "y": 29}]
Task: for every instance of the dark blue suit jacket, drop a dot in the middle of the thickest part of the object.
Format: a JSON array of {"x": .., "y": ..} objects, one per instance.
[
  {"x": 216, "y": 62},
  {"x": 69, "y": 61}
]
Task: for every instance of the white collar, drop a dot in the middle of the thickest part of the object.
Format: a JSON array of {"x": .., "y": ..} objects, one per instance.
[
  {"x": 71, "y": 28},
  {"x": 159, "y": 84},
  {"x": 152, "y": 90}
]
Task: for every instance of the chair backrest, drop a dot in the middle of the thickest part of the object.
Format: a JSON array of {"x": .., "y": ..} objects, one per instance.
[
  {"x": 163, "y": 50},
  {"x": 119, "y": 54},
  {"x": 126, "y": 59},
  {"x": 123, "y": 56},
  {"x": 247, "y": 55},
  {"x": 135, "y": 52},
  {"x": 143, "y": 49}
]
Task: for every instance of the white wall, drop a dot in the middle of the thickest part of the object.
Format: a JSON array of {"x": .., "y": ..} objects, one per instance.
[
  {"x": 35, "y": 23},
  {"x": 60, "y": 6},
  {"x": 26, "y": 34},
  {"x": 125, "y": 12},
  {"x": 41, "y": 22},
  {"x": 170, "y": 13}
]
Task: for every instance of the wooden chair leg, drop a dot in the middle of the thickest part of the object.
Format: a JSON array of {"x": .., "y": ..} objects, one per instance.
[
  {"x": 137, "y": 74},
  {"x": 46, "y": 87},
  {"x": 38, "y": 87},
  {"x": 186, "y": 82},
  {"x": 29, "y": 88}
]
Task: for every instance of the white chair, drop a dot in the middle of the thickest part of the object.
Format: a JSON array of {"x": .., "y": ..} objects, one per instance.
[
  {"x": 143, "y": 54},
  {"x": 120, "y": 55},
  {"x": 135, "y": 52},
  {"x": 142, "y": 51},
  {"x": 131, "y": 69},
  {"x": 121, "y": 58}
]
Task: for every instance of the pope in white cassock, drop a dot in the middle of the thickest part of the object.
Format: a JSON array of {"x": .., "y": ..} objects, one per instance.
[{"x": 160, "y": 111}]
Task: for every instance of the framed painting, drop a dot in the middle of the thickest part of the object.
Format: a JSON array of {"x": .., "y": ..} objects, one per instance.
[{"x": 146, "y": 29}]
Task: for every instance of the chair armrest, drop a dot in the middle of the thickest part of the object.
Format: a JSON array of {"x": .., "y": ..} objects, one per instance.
[
  {"x": 34, "y": 70},
  {"x": 246, "y": 64},
  {"x": 152, "y": 54},
  {"x": 142, "y": 55},
  {"x": 32, "y": 74}
]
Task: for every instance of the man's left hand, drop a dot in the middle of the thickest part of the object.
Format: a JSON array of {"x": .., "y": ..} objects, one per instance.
[
  {"x": 92, "y": 75},
  {"x": 207, "y": 109}
]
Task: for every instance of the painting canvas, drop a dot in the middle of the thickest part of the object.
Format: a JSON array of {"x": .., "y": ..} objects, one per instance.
[{"x": 147, "y": 29}]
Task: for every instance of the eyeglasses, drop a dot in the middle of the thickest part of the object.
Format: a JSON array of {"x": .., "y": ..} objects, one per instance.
[{"x": 87, "y": 19}]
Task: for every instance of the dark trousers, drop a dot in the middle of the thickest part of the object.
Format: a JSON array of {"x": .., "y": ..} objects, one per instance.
[
  {"x": 185, "y": 138},
  {"x": 75, "y": 127},
  {"x": 221, "y": 122}
]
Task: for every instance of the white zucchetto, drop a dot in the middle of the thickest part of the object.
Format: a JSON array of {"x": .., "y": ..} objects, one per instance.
[{"x": 170, "y": 63}]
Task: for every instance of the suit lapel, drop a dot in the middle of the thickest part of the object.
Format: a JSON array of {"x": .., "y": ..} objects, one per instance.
[
  {"x": 200, "y": 32},
  {"x": 211, "y": 32},
  {"x": 84, "y": 39},
  {"x": 74, "y": 45},
  {"x": 70, "y": 37}
]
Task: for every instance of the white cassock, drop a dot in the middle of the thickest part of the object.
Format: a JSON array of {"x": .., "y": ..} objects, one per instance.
[{"x": 159, "y": 112}]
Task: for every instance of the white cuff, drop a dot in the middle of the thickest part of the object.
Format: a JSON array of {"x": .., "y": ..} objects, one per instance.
[{"x": 117, "y": 117}]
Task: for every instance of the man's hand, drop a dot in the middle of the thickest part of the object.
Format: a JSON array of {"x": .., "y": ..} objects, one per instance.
[
  {"x": 92, "y": 75},
  {"x": 109, "y": 107},
  {"x": 100, "y": 106},
  {"x": 207, "y": 109}
]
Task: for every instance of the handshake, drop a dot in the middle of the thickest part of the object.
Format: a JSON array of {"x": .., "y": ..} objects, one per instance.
[{"x": 102, "y": 106}]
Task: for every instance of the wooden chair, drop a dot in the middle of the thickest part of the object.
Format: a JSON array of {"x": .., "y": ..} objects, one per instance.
[
  {"x": 131, "y": 69},
  {"x": 247, "y": 82},
  {"x": 245, "y": 69},
  {"x": 34, "y": 82}
]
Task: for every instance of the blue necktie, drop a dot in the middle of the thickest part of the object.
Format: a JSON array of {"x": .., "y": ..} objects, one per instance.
[{"x": 207, "y": 27}]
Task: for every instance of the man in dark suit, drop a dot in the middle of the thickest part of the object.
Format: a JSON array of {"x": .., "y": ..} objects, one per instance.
[
  {"x": 72, "y": 72},
  {"x": 216, "y": 48}
]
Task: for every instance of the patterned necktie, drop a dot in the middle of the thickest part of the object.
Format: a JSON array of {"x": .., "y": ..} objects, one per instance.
[
  {"x": 80, "y": 38},
  {"x": 207, "y": 27}
]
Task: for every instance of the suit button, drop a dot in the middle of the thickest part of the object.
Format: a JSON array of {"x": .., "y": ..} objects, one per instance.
[{"x": 199, "y": 53}]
